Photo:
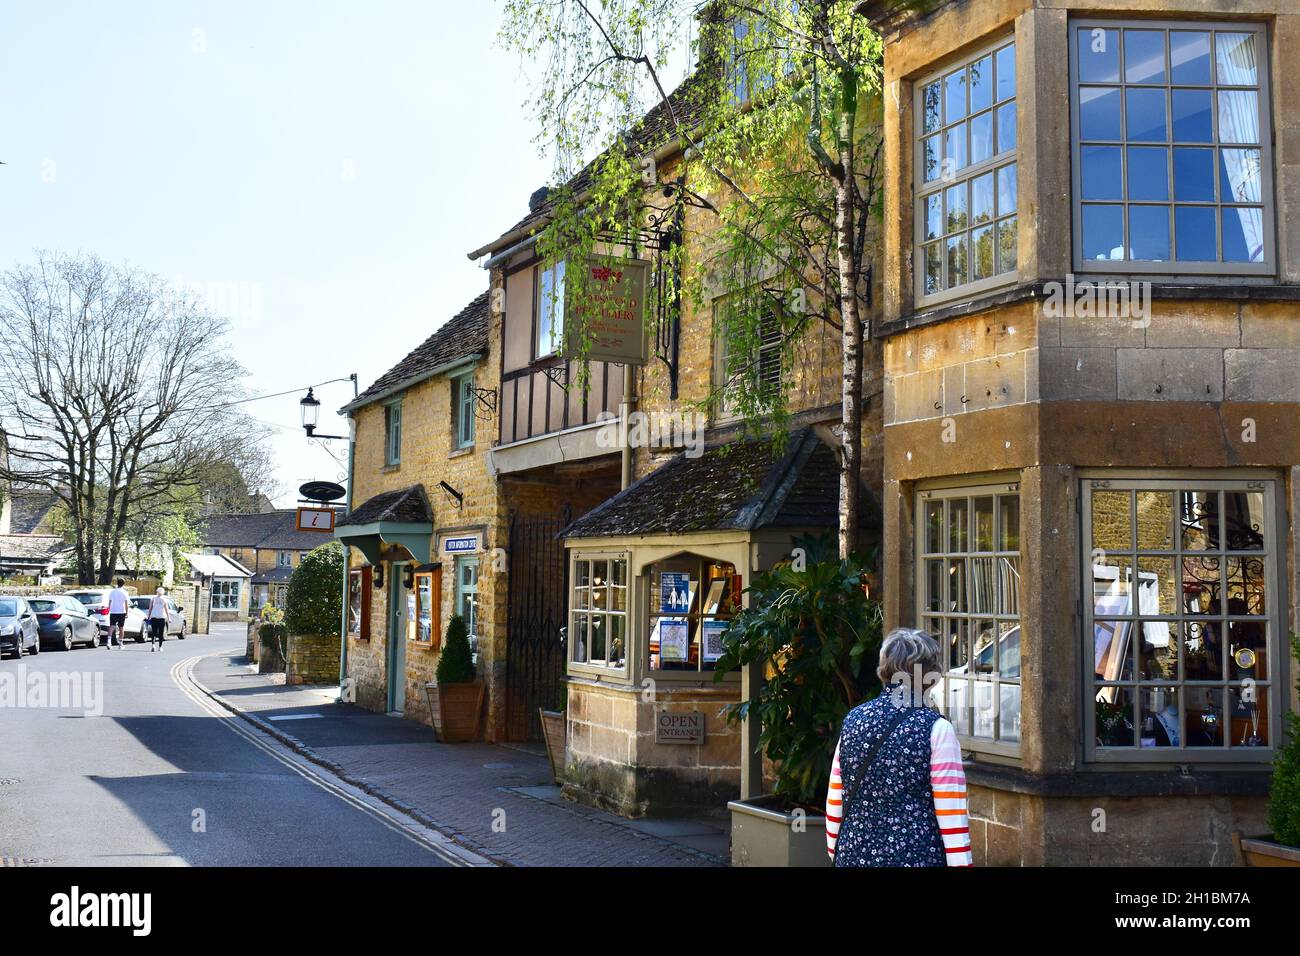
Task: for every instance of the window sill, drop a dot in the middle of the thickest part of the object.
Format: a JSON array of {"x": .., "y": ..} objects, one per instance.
[
  {"x": 1227, "y": 781},
  {"x": 461, "y": 452},
  {"x": 388, "y": 469}
]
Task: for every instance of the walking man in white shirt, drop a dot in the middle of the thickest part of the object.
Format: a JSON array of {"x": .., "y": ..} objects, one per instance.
[
  {"x": 117, "y": 604},
  {"x": 157, "y": 619}
]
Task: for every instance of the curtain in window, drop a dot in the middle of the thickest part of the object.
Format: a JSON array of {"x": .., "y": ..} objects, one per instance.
[{"x": 1239, "y": 123}]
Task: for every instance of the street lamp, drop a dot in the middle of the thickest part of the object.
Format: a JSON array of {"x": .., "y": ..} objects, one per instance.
[{"x": 310, "y": 407}]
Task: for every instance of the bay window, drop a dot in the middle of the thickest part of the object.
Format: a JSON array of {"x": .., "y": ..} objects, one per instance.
[
  {"x": 691, "y": 600},
  {"x": 1171, "y": 147},
  {"x": 598, "y": 631}
]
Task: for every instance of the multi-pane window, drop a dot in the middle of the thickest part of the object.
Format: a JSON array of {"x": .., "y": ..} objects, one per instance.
[
  {"x": 467, "y": 598},
  {"x": 1181, "y": 620},
  {"x": 550, "y": 310},
  {"x": 969, "y": 574},
  {"x": 225, "y": 595},
  {"x": 756, "y": 370},
  {"x": 393, "y": 433},
  {"x": 1171, "y": 147},
  {"x": 966, "y": 197},
  {"x": 463, "y": 402},
  {"x": 284, "y": 559},
  {"x": 428, "y": 593},
  {"x": 359, "y": 584},
  {"x": 598, "y": 612},
  {"x": 691, "y": 601}
]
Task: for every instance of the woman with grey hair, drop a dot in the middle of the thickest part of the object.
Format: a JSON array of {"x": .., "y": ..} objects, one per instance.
[{"x": 898, "y": 792}]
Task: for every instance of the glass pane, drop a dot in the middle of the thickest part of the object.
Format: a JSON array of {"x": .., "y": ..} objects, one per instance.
[
  {"x": 1194, "y": 176},
  {"x": 983, "y": 524},
  {"x": 1008, "y": 585},
  {"x": 1111, "y": 524},
  {"x": 1006, "y": 123},
  {"x": 1009, "y": 713},
  {"x": 983, "y": 583},
  {"x": 1243, "y": 518},
  {"x": 954, "y": 96},
  {"x": 1158, "y": 651},
  {"x": 958, "y": 704},
  {"x": 956, "y": 249},
  {"x": 1145, "y": 121},
  {"x": 982, "y": 260},
  {"x": 1248, "y": 650},
  {"x": 1007, "y": 189},
  {"x": 1159, "y": 720},
  {"x": 1155, "y": 519},
  {"x": 983, "y": 635},
  {"x": 1248, "y": 716},
  {"x": 1205, "y": 723},
  {"x": 1193, "y": 116},
  {"x": 1239, "y": 175},
  {"x": 934, "y": 585},
  {"x": 578, "y": 638},
  {"x": 1100, "y": 113},
  {"x": 1202, "y": 650},
  {"x": 1008, "y": 649},
  {"x": 958, "y": 523},
  {"x": 957, "y": 602},
  {"x": 598, "y": 634},
  {"x": 1199, "y": 516},
  {"x": 931, "y": 157},
  {"x": 1189, "y": 57},
  {"x": 1103, "y": 232},
  {"x": 1006, "y": 230},
  {"x": 1148, "y": 174},
  {"x": 1246, "y": 586},
  {"x": 1234, "y": 57},
  {"x": 985, "y": 702},
  {"x": 618, "y": 586},
  {"x": 1144, "y": 56},
  {"x": 933, "y": 268},
  {"x": 934, "y": 215},
  {"x": 931, "y": 107},
  {"x": 1008, "y": 524},
  {"x": 1201, "y": 585},
  {"x": 1101, "y": 169},
  {"x": 1148, "y": 232},
  {"x": 933, "y": 527},
  {"x": 1157, "y": 585},
  {"x": 1006, "y": 72},
  {"x": 617, "y": 639},
  {"x": 981, "y": 137},
  {"x": 958, "y": 655},
  {"x": 981, "y": 190},
  {"x": 1098, "y": 55},
  {"x": 1243, "y": 235},
  {"x": 1114, "y": 716},
  {"x": 981, "y": 84},
  {"x": 954, "y": 149},
  {"x": 1238, "y": 116},
  {"x": 955, "y": 203}
]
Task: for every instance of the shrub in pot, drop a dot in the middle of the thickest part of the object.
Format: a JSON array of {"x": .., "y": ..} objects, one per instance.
[
  {"x": 456, "y": 698},
  {"x": 814, "y": 631},
  {"x": 1283, "y": 847}
]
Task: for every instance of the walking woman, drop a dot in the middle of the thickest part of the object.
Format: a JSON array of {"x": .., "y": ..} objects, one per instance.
[
  {"x": 898, "y": 792},
  {"x": 157, "y": 619}
]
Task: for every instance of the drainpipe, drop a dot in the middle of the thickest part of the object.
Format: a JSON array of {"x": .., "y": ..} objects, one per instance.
[
  {"x": 628, "y": 406},
  {"x": 347, "y": 507}
]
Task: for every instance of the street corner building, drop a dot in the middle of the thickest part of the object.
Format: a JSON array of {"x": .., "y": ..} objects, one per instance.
[{"x": 1091, "y": 337}]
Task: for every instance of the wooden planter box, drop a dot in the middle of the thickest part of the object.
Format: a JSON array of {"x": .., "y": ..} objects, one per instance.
[
  {"x": 555, "y": 728},
  {"x": 763, "y": 836},
  {"x": 1261, "y": 851},
  {"x": 456, "y": 709}
]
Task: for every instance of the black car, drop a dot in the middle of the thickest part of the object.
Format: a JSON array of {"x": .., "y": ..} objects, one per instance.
[
  {"x": 18, "y": 629},
  {"x": 64, "y": 622}
]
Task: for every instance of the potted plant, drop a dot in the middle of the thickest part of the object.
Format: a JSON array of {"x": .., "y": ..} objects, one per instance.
[
  {"x": 815, "y": 632},
  {"x": 555, "y": 730},
  {"x": 1282, "y": 846},
  {"x": 456, "y": 697}
]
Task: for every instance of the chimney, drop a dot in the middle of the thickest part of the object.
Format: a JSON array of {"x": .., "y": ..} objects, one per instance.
[{"x": 538, "y": 199}]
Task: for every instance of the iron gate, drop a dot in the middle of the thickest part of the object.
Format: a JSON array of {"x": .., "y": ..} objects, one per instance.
[{"x": 538, "y": 609}]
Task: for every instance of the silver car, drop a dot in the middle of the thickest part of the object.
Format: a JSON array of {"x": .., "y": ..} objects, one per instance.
[
  {"x": 175, "y": 616},
  {"x": 19, "y": 629}
]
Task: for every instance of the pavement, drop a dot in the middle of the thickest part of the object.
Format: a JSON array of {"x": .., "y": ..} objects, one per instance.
[{"x": 496, "y": 802}]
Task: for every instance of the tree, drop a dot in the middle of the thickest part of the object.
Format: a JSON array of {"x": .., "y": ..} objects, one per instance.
[
  {"x": 779, "y": 118},
  {"x": 115, "y": 396}
]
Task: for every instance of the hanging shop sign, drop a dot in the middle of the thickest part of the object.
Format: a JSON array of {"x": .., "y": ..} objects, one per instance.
[
  {"x": 611, "y": 313},
  {"x": 465, "y": 544},
  {"x": 315, "y": 519},
  {"x": 679, "y": 728}
]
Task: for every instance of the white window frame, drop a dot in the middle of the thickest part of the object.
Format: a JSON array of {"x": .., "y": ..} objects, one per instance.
[
  {"x": 225, "y": 595},
  {"x": 1275, "y": 688},
  {"x": 548, "y": 327},
  {"x": 965, "y": 175},
  {"x": 393, "y": 433},
  {"x": 575, "y": 640}
]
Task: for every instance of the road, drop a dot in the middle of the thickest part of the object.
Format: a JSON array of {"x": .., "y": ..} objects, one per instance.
[{"x": 164, "y": 778}]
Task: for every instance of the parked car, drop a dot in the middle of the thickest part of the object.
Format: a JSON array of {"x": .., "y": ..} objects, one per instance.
[
  {"x": 63, "y": 622},
  {"x": 18, "y": 627},
  {"x": 95, "y": 601},
  {"x": 175, "y": 616}
]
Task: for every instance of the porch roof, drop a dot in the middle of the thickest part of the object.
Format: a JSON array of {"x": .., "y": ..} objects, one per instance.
[
  {"x": 745, "y": 485},
  {"x": 402, "y": 517}
]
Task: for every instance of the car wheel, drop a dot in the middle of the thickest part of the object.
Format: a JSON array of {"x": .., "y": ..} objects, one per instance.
[
  {"x": 19, "y": 649},
  {"x": 36, "y": 645},
  {"x": 67, "y": 639}
]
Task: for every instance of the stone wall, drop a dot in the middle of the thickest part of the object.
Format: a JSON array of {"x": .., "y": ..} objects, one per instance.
[{"x": 312, "y": 659}]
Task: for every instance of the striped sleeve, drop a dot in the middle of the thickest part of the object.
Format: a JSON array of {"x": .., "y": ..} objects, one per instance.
[
  {"x": 948, "y": 782},
  {"x": 834, "y": 805}
]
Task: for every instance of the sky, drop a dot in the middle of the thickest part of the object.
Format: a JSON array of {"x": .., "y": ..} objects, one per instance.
[{"x": 316, "y": 169}]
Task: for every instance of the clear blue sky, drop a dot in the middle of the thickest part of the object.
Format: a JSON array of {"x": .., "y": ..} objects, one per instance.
[{"x": 317, "y": 168}]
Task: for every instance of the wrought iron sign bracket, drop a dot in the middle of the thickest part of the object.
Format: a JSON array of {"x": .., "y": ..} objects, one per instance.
[
  {"x": 558, "y": 374},
  {"x": 485, "y": 403}
]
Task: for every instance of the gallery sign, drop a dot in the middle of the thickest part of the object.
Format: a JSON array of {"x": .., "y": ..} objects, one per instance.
[
  {"x": 679, "y": 728},
  {"x": 612, "y": 313}
]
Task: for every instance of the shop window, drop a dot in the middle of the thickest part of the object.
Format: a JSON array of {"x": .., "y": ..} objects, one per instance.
[
  {"x": 969, "y": 591},
  {"x": 691, "y": 600},
  {"x": 966, "y": 194},
  {"x": 467, "y": 598},
  {"x": 598, "y": 612},
  {"x": 359, "y": 603},
  {"x": 1182, "y": 619},
  {"x": 1171, "y": 147},
  {"x": 550, "y": 310},
  {"x": 225, "y": 595},
  {"x": 427, "y": 624},
  {"x": 393, "y": 434},
  {"x": 462, "y": 390}
]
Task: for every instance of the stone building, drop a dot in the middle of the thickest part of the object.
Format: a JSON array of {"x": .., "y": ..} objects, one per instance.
[
  {"x": 1091, "y": 438},
  {"x": 269, "y": 545}
]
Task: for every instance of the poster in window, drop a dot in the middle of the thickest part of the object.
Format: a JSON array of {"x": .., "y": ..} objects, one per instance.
[
  {"x": 713, "y": 640},
  {"x": 674, "y": 592},
  {"x": 674, "y": 641}
]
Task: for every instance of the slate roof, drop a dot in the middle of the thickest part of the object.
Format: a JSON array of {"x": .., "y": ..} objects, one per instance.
[
  {"x": 31, "y": 547},
  {"x": 272, "y": 531},
  {"x": 29, "y": 509},
  {"x": 276, "y": 575},
  {"x": 216, "y": 565},
  {"x": 463, "y": 335},
  {"x": 741, "y": 486},
  {"x": 407, "y": 505}
]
